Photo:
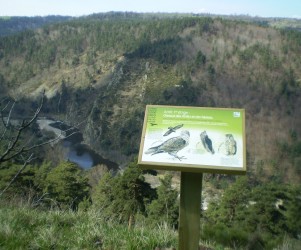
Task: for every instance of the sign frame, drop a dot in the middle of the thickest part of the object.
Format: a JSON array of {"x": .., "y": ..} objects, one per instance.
[{"x": 182, "y": 165}]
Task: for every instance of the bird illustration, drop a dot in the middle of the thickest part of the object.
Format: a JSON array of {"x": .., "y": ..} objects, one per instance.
[
  {"x": 172, "y": 129},
  {"x": 172, "y": 145},
  {"x": 228, "y": 147},
  {"x": 207, "y": 143}
]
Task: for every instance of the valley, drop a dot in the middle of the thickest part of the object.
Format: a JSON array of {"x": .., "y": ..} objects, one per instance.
[{"x": 97, "y": 73}]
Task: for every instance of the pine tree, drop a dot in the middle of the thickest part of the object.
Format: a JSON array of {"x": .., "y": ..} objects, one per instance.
[
  {"x": 166, "y": 207},
  {"x": 132, "y": 193},
  {"x": 104, "y": 195},
  {"x": 293, "y": 209},
  {"x": 123, "y": 196},
  {"x": 66, "y": 185}
]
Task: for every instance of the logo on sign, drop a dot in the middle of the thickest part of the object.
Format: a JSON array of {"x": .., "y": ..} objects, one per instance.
[{"x": 236, "y": 114}]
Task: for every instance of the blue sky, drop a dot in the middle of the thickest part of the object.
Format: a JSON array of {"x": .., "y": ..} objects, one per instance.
[{"x": 263, "y": 8}]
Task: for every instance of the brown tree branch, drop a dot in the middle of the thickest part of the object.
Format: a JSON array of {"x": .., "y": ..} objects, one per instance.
[
  {"x": 6, "y": 123},
  {"x": 13, "y": 150},
  {"x": 11, "y": 145},
  {"x": 28, "y": 160},
  {"x": 5, "y": 157}
]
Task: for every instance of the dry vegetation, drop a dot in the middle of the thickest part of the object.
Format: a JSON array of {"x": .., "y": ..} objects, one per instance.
[{"x": 247, "y": 65}]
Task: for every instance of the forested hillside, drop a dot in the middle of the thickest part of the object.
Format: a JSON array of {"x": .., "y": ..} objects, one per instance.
[
  {"x": 10, "y": 25},
  {"x": 100, "y": 65},
  {"x": 100, "y": 71}
]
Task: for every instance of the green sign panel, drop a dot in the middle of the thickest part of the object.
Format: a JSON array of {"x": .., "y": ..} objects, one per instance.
[{"x": 193, "y": 139}]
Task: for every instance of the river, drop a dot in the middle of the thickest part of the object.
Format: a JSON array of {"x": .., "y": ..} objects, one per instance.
[{"x": 76, "y": 150}]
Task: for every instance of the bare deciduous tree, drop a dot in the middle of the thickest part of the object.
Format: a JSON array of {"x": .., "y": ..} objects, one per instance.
[
  {"x": 11, "y": 135},
  {"x": 12, "y": 145}
]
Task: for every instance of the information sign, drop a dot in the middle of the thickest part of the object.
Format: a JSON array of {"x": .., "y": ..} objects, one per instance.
[{"x": 193, "y": 139}]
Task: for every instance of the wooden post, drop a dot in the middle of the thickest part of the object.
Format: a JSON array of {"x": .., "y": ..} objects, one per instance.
[{"x": 190, "y": 207}]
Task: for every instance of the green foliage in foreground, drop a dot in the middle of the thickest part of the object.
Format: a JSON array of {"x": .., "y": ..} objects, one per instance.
[
  {"x": 64, "y": 186},
  {"x": 123, "y": 196},
  {"x": 254, "y": 217},
  {"x": 67, "y": 185},
  {"x": 124, "y": 211},
  {"x": 166, "y": 207},
  {"x": 26, "y": 228}
]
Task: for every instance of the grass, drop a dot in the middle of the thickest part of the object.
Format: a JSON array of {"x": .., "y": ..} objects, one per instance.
[
  {"x": 289, "y": 244},
  {"x": 26, "y": 228},
  {"x": 22, "y": 227}
]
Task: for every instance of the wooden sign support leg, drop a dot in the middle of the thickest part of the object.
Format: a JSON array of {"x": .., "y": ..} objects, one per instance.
[{"x": 190, "y": 206}]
